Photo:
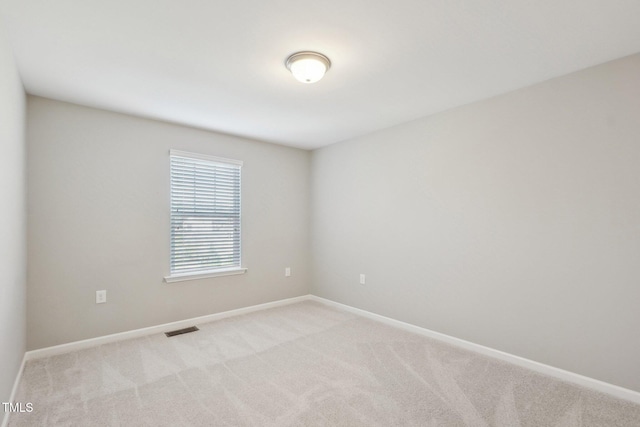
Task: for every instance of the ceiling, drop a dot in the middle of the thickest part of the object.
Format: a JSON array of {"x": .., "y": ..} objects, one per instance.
[{"x": 219, "y": 65}]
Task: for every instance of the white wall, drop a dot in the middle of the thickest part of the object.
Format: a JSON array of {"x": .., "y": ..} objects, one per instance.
[
  {"x": 13, "y": 219},
  {"x": 99, "y": 219},
  {"x": 512, "y": 222}
]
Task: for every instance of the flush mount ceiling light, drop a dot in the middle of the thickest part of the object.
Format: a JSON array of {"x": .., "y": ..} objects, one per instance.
[{"x": 308, "y": 67}]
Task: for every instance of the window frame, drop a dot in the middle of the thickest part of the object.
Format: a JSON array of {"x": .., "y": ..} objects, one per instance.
[{"x": 199, "y": 273}]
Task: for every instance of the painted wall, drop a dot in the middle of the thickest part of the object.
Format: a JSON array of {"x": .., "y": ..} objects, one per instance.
[
  {"x": 513, "y": 222},
  {"x": 13, "y": 217},
  {"x": 99, "y": 219}
]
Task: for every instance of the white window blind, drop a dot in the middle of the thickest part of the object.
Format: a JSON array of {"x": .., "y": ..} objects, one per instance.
[{"x": 205, "y": 213}]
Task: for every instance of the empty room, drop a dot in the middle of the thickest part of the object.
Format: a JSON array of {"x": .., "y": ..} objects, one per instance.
[{"x": 339, "y": 213}]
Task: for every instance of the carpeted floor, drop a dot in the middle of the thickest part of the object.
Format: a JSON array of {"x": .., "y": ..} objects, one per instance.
[{"x": 300, "y": 365}]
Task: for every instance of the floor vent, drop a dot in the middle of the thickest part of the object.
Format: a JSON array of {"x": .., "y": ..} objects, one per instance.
[{"x": 182, "y": 331}]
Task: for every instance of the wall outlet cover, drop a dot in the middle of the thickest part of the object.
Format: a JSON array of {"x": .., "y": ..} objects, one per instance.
[{"x": 101, "y": 297}]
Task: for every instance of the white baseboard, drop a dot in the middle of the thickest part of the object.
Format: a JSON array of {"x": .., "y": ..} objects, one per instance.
[
  {"x": 561, "y": 374},
  {"x": 14, "y": 391},
  {"x": 94, "y": 342}
]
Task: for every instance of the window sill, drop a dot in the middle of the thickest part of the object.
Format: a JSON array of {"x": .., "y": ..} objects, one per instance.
[{"x": 204, "y": 275}]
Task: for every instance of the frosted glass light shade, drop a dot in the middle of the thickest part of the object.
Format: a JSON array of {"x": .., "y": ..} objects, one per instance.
[{"x": 308, "y": 67}]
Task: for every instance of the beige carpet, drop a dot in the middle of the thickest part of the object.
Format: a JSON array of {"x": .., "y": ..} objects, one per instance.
[{"x": 300, "y": 365}]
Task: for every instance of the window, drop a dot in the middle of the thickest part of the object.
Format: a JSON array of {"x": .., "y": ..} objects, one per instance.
[{"x": 205, "y": 216}]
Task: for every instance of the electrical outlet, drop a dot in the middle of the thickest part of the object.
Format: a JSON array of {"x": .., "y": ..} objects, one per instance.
[
  {"x": 287, "y": 272},
  {"x": 362, "y": 279},
  {"x": 101, "y": 297}
]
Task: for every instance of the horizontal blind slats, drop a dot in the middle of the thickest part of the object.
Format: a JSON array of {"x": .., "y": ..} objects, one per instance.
[
  {"x": 220, "y": 187},
  {"x": 205, "y": 214},
  {"x": 204, "y": 258},
  {"x": 201, "y": 259}
]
